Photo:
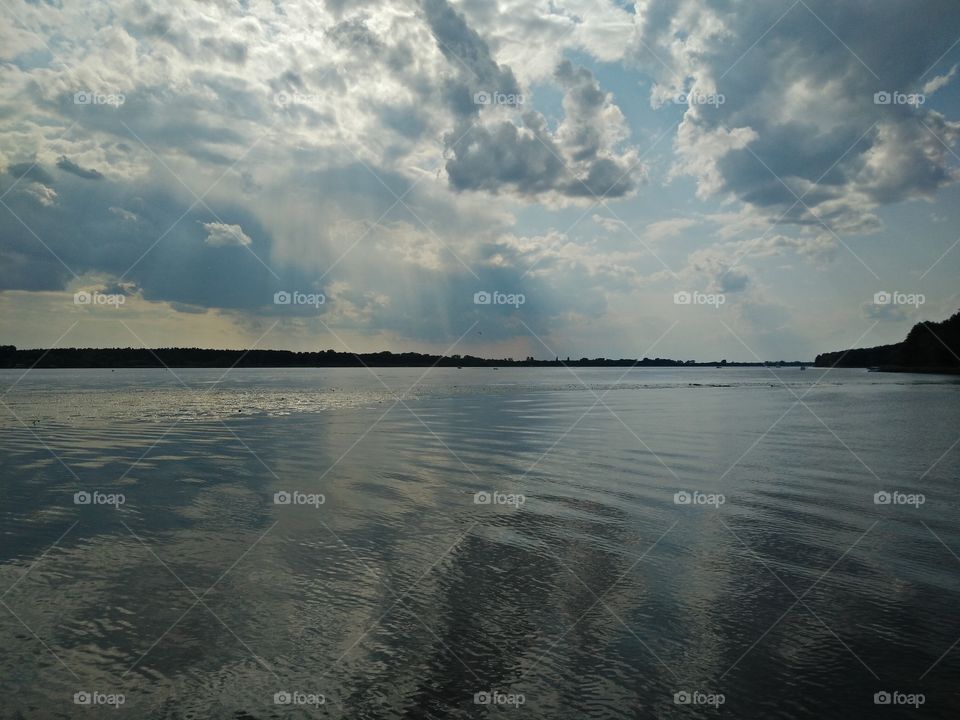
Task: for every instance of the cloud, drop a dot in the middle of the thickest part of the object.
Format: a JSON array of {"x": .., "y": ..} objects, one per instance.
[
  {"x": 939, "y": 82},
  {"x": 223, "y": 235},
  {"x": 583, "y": 160},
  {"x": 505, "y": 157},
  {"x": 488, "y": 152},
  {"x": 233, "y": 51},
  {"x": 609, "y": 224},
  {"x": 67, "y": 165},
  {"x": 533, "y": 36},
  {"x": 44, "y": 195},
  {"x": 125, "y": 215},
  {"x": 30, "y": 171},
  {"x": 469, "y": 55},
  {"x": 731, "y": 267},
  {"x": 799, "y": 134},
  {"x": 818, "y": 247},
  {"x": 663, "y": 229},
  {"x": 733, "y": 280}
]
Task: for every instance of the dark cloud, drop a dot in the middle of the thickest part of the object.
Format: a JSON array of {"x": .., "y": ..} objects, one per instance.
[
  {"x": 576, "y": 161},
  {"x": 353, "y": 34},
  {"x": 732, "y": 281},
  {"x": 82, "y": 235},
  {"x": 802, "y": 88},
  {"x": 67, "y": 165},
  {"x": 179, "y": 123},
  {"x": 468, "y": 53},
  {"x": 157, "y": 27},
  {"x": 30, "y": 171},
  {"x": 506, "y": 157},
  {"x": 583, "y": 104},
  {"x": 233, "y": 51},
  {"x": 605, "y": 178}
]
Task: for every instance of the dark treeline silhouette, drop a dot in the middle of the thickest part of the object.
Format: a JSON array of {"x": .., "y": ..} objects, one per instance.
[
  {"x": 11, "y": 357},
  {"x": 928, "y": 347}
]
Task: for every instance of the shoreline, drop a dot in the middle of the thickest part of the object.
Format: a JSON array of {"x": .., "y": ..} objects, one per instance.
[
  {"x": 462, "y": 366},
  {"x": 129, "y": 358}
]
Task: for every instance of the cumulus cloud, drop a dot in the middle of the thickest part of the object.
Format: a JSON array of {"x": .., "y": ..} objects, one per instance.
[
  {"x": 468, "y": 52},
  {"x": 223, "y": 235},
  {"x": 800, "y": 134},
  {"x": 42, "y": 194},
  {"x": 583, "y": 159}
]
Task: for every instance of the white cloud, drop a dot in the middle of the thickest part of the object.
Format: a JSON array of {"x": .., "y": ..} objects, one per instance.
[
  {"x": 223, "y": 235},
  {"x": 939, "y": 82},
  {"x": 663, "y": 229},
  {"x": 44, "y": 195},
  {"x": 125, "y": 215}
]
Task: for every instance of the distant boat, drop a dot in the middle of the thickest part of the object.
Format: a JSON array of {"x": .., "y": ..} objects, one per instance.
[{"x": 803, "y": 367}]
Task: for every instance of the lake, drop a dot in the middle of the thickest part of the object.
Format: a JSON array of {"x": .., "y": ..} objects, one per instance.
[{"x": 519, "y": 542}]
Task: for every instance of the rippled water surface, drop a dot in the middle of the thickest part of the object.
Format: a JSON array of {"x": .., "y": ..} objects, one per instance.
[{"x": 575, "y": 583}]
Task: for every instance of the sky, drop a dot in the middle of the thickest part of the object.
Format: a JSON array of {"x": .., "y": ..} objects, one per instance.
[{"x": 745, "y": 179}]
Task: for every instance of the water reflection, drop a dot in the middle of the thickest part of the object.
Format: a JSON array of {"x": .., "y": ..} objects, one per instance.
[{"x": 399, "y": 596}]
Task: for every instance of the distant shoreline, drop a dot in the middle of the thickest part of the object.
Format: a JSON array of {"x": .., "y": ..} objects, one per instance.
[
  {"x": 130, "y": 358},
  {"x": 930, "y": 347}
]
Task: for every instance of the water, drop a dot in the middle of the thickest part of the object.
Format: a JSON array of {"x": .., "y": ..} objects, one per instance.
[{"x": 400, "y": 595}]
